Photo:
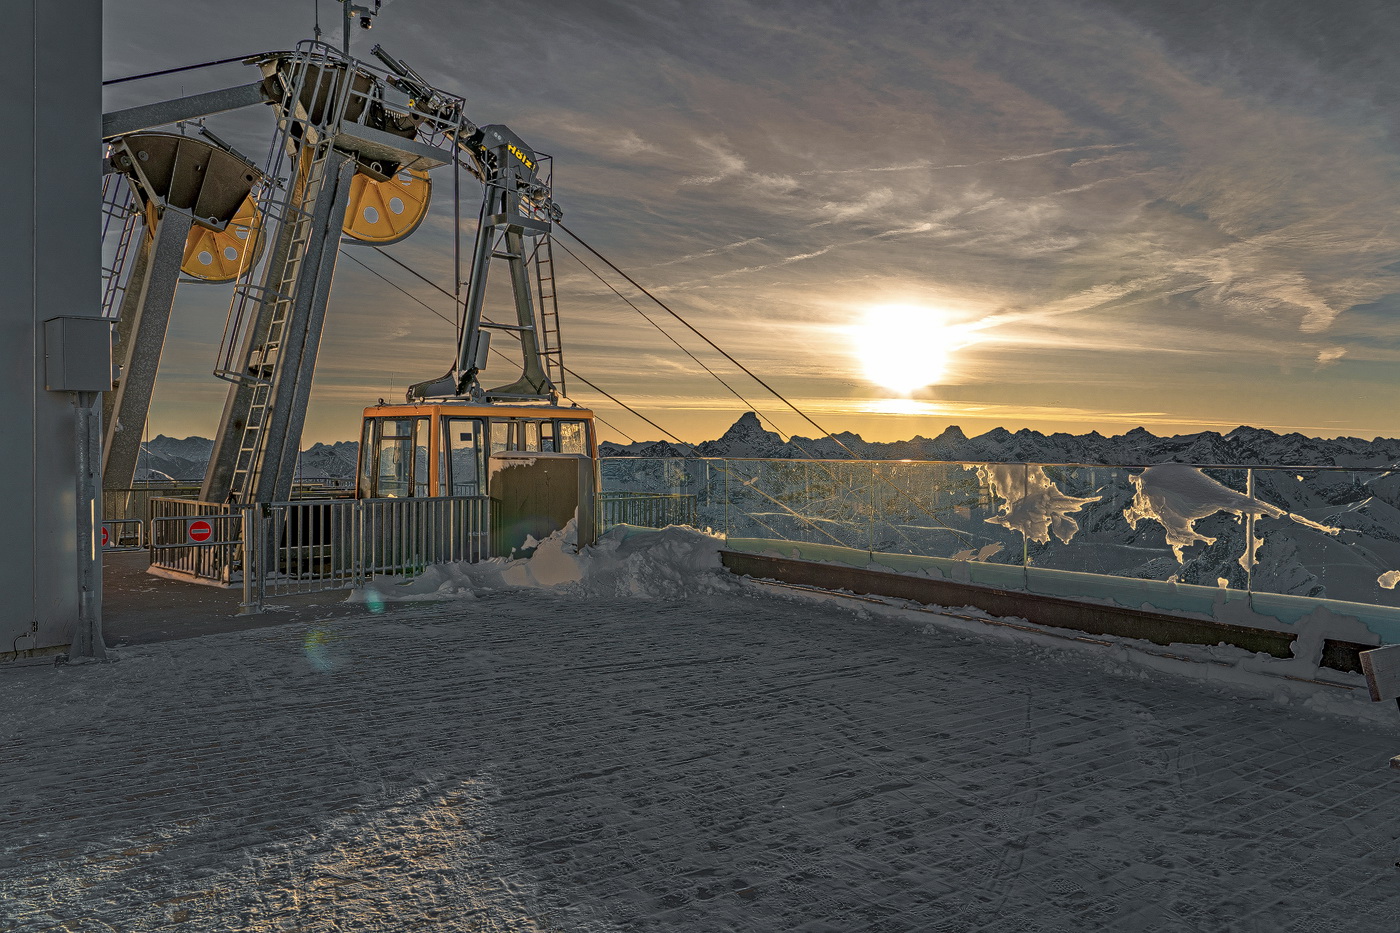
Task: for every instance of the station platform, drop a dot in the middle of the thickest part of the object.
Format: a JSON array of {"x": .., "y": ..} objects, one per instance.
[
  {"x": 529, "y": 759},
  {"x": 139, "y": 608}
]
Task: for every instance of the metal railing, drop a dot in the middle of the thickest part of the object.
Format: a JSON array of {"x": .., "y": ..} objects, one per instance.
[
  {"x": 649, "y": 510},
  {"x": 133, "y": 503},
  {"x": 200, "y": 540},
  {"x": 1286, "y": 540},
  {"x": 315, "y": 545},
  {"x": 310, "y": 546},
  {"x": 123, "y": 534}
]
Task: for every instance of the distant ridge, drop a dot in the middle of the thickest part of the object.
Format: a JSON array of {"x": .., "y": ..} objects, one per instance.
[
  {"x": 183, "y": 459},
  {"x": 1244, "y": 445}
]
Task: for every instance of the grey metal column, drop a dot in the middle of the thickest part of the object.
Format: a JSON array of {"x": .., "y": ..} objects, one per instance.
[
  {"x": 292, "y": 392},
  {"x": 306, "y": 241},
  {"x": 141, "y": 329},
  {"x": 51, "y": 265},
  {"x": 532, "y": 379}
]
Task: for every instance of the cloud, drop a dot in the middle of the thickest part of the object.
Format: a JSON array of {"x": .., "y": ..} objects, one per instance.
[{"x": 1091, "y": 178}]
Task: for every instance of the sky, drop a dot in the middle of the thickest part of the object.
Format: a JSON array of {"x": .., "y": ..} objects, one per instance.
[{"x": 1069, "y": 215}]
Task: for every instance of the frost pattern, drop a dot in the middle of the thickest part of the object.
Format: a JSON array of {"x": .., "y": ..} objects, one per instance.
[
  {"x": 1034, "y": 505},
  {"x": 1177, "y": 496}
]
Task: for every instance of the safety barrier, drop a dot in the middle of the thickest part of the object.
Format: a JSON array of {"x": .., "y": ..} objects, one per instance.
[
  {"x": 1281, "y": 542},
  {"x": 198, "y": 540},
  {"x": 123, "y": 534},
  {"x": 649, "y": 510},
  {"x": 310, "y": 546}
]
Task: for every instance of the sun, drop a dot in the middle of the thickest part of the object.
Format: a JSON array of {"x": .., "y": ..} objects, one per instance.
[{"x": 906, "y": 347}]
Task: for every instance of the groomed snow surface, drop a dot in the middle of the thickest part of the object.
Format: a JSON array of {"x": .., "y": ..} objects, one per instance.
[{"x": 630, "y": 739}]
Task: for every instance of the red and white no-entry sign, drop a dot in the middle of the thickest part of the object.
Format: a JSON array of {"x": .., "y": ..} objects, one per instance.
[
  {"x": 106, "y": 539},
  {"x": 199, "y": 530}
]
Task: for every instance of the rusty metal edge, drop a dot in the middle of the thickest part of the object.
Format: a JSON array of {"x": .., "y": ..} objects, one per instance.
[{"x": 1093, "y": 618}]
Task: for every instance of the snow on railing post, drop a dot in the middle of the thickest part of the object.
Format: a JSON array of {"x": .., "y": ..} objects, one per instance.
[
  {"x": 726, "y": 501},
  {"x": 1250, "y": 543},
  {"x": 1025, "y": 540}
]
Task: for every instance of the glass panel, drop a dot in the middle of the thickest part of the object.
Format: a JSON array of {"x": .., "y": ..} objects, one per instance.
[
  {"x": 1172, "y": 537},
  {"x": 1332, "y": 534},
  {"x": 500, "y": 436},
  {"x": 654, "y": 493},
  {"x": 392, "y": 468},
  {"x": 463, "y": 456},
  {"x": 532, "y": 435},
  {"x": 572, "y": 439},
  {"x": 547, "y": 436}
]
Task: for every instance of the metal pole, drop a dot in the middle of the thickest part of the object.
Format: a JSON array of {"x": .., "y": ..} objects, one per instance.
[
  {"x": 248, "y": 570},
  {"x": 870, "y": 536},
  {"x": 1249, "y": 540},
  {"x": 726, "y": 503},
  {"x": 88, "y": 644}
]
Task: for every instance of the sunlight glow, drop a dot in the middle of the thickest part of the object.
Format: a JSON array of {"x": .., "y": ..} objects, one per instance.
[{"x": 907, "y": 347}]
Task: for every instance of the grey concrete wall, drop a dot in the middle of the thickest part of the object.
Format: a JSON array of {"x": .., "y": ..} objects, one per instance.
[{"x": 50, "y": 265}]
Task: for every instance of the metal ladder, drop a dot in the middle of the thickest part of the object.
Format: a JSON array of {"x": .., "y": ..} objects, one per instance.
[
  {"x": 551, "y": 343},
  {"x": 270, "y": 340},
  {"x": 119, "y": 206},
  {"x": 261, "y": 365}
]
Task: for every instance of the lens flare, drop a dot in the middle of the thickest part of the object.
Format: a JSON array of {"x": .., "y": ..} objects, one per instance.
[{"x": 317, "y": 646}]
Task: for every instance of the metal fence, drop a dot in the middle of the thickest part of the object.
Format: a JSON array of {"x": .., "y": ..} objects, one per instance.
[
  {"x": 123, "y": 534},
  {"x": 650, "y": 510},
  {"x": 307, "y": 546},
  {"x": 199, "y": 540},
  {"x": 313, "y": 545},
  {"x": 133, "y": 503}
]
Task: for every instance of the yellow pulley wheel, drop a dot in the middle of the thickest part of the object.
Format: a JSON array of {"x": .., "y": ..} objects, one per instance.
[
  {"x": 215, "y": 256},
  {"x": 385, "y": 212}
]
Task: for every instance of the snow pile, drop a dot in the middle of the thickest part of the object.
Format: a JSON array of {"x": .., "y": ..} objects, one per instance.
[
  {"x": 1178, "y": 496},
  {"x": 1033, "y": 504},
  {"x": 666, "y": 563}
]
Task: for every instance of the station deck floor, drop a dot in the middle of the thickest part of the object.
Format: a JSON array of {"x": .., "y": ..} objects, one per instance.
[{"x": 531, "y": 760}]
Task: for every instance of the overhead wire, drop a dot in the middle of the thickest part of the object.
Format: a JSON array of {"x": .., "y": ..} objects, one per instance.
[
  {"x": 404, "y": 291},
  {"x": 905, "y": 493},
  {"x": 590, "y": 384},
  {"x": 750, "y": 373},
  {"x": 748, "y": 404},
  {"x": 601, "y": 391},
  {"x": 665, "y": 334}
]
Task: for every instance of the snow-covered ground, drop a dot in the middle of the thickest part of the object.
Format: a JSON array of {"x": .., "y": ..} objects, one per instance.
[{"x": 630, "y": 739}]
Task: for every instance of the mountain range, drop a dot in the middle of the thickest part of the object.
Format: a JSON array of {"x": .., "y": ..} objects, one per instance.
[
  {"x": 165, "y": 459},
  {"x": 182, "y": 460},
  {"x": 1244, "y": 445}
]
